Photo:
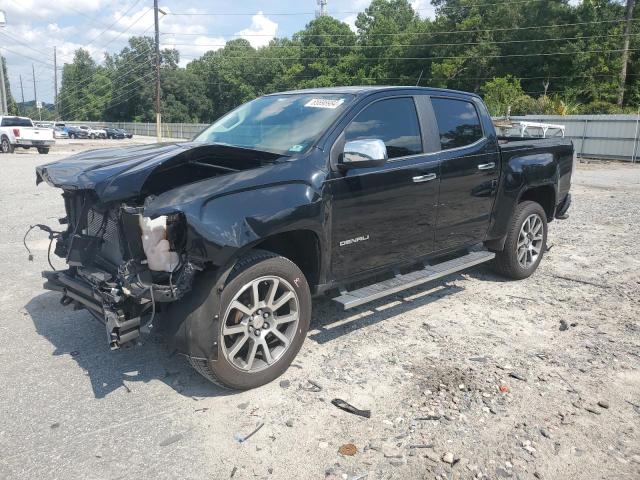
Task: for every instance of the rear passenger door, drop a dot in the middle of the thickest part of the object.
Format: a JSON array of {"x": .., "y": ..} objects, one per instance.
[
  {"x": 385, "y": 215},
  {"x": 469, "y": 172}
]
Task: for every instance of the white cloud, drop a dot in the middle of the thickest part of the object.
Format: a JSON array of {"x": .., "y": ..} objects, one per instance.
[
  {"x": 424, "y": 8},
  {"x": 261, "y": 31},
  {"x": 24, "y": 10}
]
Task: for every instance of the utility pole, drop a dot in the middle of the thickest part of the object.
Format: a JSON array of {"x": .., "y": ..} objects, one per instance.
[
  {"x": 55, "y": 83},
  {"x": 35, "y": 91},
  {"x": 3, "y": 89},
  {"x": 323, "y": 8},
  {"x": 157, "y": 25},
  {"x": 21, "y": 91},
  {"x": 625, "y": 51}
]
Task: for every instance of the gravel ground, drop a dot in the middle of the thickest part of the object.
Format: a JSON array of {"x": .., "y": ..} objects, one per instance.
[{"x": 475, "y": 377}]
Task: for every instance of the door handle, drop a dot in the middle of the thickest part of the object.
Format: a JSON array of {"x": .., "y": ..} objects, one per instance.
[
  {"x": 424, "y": 178},
  {"x": 486, "y": 166}
]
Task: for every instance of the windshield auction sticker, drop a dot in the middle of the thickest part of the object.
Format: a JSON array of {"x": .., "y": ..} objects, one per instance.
[{"x": 324, "y": 103}]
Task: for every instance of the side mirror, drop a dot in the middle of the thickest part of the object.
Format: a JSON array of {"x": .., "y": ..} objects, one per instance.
[{"x": 370, "y": 152}]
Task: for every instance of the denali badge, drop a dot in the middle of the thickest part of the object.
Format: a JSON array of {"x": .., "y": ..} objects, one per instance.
[{"x": 362, "y": 238}]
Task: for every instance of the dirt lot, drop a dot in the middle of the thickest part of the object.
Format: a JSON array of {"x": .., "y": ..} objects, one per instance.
[{"x": 475, "y": 377}]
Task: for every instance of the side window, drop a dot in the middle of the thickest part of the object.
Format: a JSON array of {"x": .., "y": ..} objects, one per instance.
[
  {"x": 458, "y": 122},
  {"x": 394, "y": 121}
]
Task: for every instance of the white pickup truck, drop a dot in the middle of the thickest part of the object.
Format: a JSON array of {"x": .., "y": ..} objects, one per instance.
[{"x": 20, "y": 132}]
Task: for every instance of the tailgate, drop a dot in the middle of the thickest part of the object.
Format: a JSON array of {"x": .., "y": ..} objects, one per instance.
[{"x": 33, "y": 133}]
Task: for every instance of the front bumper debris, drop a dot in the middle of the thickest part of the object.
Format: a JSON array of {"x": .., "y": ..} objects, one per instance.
[{"x": 119, "y": 328}]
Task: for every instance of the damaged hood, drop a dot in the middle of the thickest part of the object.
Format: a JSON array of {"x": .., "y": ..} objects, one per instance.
[{"x": 121, "y": 173}]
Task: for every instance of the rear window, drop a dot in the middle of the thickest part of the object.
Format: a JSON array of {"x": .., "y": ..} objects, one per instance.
[
  {"x": 458, "y": 122},
  {"x": 16, "y": 122}
]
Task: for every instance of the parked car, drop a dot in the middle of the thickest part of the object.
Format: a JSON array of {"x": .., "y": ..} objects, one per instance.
[
  {"x": 125, "y": 133},
  {"x": 60, "y": 132},
  {"x": 354, "y": 192},
  {"x": 114, "y": 133},
  {"x": 20, "y": 132},
  {"x": 77, "y": 132},
  {"x": 93, "y": 133}
]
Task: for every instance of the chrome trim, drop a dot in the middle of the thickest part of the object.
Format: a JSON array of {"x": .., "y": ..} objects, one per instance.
[
  {"x": 487, "y": 166},
  {"x": 424, "y": 178}
]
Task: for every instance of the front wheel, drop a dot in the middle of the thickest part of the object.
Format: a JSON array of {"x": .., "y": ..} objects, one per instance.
[
  {"x": 5, "y": 145},
  {"x": 265, "y": 314},
  {"x": 43, "y": 150},
  {"x": 526, "y": 242}
]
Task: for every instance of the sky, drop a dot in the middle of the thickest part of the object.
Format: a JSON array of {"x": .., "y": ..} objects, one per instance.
[{"x": 34, "y": 27}]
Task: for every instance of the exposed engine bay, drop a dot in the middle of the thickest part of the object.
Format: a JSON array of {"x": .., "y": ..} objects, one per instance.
[
  {"x": 126, "y": 265},
  {"x": 121, "y": 264}
]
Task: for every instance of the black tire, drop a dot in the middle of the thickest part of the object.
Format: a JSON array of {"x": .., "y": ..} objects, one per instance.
[
  {"x": 72, "y": 136},
  {"x": 43, "y": 150},
  {"x": 5, "y": 145},
  {"x": 256, "y": 264},
  {"x": 506, "y": 262},
  {"x": 92, "y": 136}
]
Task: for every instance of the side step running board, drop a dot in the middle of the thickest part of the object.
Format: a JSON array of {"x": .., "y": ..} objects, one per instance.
[{"x": 369, "y": 293}]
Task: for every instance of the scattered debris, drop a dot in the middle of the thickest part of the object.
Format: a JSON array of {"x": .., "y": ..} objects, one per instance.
[
  {"x": 448, "y": 458},
  {"x": 74, "y": 353},
  {"x": 591, "y": 409},
  {"x": 55, "y": 425},
  {"x": 233, "y": 472},
  {"x": 503, "y": 388},
  {"x": 604, "y": 404},
  {"x": 285, "y": 383},
  {"x": 313, "y": 387},
  {"x": 242, "y": 406},
  {"x": 545, "y": 433},
  {"x": 171, "y": 439},
  {"x": 289, "y": 423},
  {"x": 240, "y": 439},
  {"x": 517, "y": 376},
  {"x": 348, "y": 449},
  {"x": 424, "y": 445},
  {"x": 563, "y": 325},
  {"x": 204, "y": 409},
  {"x": 342, "y": 405}
]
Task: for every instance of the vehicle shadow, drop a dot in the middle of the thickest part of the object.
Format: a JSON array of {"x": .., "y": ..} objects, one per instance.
[
  {"x": 332, "y": 322},
  {"x": 78, "y": 334}
]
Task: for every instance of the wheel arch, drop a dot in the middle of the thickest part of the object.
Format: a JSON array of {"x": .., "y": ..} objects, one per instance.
[
  {"x": 301, "y": 246},
  {"x": 544, "y": 195}
]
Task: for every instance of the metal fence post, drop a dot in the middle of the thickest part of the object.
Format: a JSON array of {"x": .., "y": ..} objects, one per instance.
[
  {"x": 584, "y": 135},
  {"x": 635, "y": 139}
]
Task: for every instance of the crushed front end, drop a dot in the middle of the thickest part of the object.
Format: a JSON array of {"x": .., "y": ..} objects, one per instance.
[{"x": 123, "y": 267}]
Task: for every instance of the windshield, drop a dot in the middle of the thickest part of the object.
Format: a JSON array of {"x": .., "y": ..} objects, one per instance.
[{"x": 282, "y": 124}]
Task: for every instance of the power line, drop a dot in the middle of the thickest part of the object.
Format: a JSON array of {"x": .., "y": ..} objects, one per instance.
[
  {"x": 135, "y": 3},
  {"x": 394, "y": 34},
  {"x": 411, "y": 44},
  {"x": 443, "y": 57},
  {"x": 277, "y": 14}
]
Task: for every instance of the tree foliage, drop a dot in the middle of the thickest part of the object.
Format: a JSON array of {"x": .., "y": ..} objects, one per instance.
[{"x": 540, "y": 56}]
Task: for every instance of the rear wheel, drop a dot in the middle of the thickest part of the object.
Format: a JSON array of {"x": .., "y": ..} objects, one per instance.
[
  {"x": 265, "y": 313},
  {"x": 5, "y": 145},
  {"x": 526, "y": 242},
  {"x": 43, "y": 150},
  {"x": 72, "y": 136}
]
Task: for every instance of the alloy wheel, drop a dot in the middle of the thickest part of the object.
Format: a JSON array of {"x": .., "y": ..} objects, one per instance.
[
  {"x": 530, "y": 241},
  {"x": 260, "y": 323}
]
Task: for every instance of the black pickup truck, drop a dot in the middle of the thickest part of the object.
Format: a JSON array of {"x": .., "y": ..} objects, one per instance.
[{"x": 355, "y": 192}]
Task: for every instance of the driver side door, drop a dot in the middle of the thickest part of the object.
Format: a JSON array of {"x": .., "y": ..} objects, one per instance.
[{"x": 384, "y": 215}]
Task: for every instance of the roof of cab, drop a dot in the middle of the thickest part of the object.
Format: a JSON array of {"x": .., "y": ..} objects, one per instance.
[{"x": 368, "y": 89}]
